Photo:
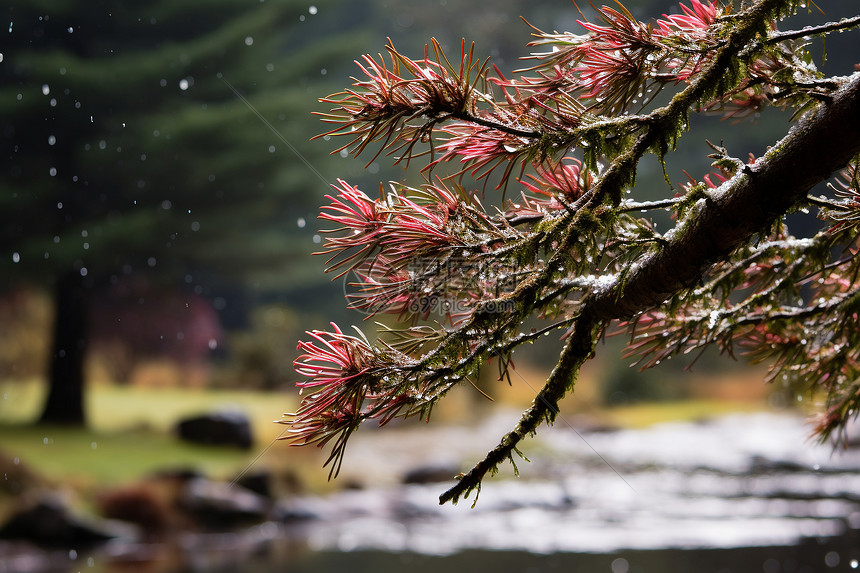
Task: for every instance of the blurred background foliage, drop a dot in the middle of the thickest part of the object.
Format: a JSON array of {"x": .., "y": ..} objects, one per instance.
[{"x": 131, "y": 164}]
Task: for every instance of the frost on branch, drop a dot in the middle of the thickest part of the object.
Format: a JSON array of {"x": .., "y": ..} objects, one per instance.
[{"x": 461, "y": 278}]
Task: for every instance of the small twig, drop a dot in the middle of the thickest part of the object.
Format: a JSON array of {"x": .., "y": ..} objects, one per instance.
[
  {"x": 825, "y": 83},
  {"x": 827, "y": 267},
  {"x": 843, "y": 24},
  {"x": 538, "y": 333},
  {"x": 544, "y": 407},
  {"x": 824, "y": 203},
  {"x": 722, "y": 156},
  {"x": 629, "y": 207},
  {"x": 462, "y": 116},
  {"x": 520, "y": 219},
  {"x": 655, "y": 239},
  {"x": 796, "y": 314},
  {"x": 567, "y": 207}
]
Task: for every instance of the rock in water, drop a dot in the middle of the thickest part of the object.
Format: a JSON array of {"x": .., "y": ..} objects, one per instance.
[
  {"x": 220, "y": 505},
  {"x": 49, "y": 523},
  {"x": 222, "y": 428}
]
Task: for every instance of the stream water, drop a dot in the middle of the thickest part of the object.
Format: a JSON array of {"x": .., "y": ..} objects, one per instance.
[{"x": 742, "y": 493}]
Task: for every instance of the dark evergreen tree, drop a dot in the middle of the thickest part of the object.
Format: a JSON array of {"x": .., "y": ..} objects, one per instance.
[{"x": 128, "y": 149}]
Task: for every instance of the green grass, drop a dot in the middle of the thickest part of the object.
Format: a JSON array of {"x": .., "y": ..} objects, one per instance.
[
  {"x": 130, "y": 432},
  {"x": 87, "y": 457},
  {"x": 112, "y": 408}
]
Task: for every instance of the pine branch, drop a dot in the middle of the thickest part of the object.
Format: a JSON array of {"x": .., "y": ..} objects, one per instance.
[
  {"x": 583, "y": 224},
  {"x": 495, "y": 125},
  {"x": 796, "y": 314},
  {"x": 825, "y": 203},
  {"x": 632, "y": 206},
  {"x": 625, "y": 299},
  {"x": 747, "y": 204},
  {"x": 544, "y": 408},
  {"x": 809, "y": 31}
]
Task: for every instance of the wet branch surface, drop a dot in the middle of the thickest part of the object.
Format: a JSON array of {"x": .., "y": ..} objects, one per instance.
[{"x": 749, "y": 203}]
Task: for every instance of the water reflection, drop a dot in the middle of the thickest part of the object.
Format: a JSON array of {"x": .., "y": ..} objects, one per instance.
[
  {"x": 744, "y": 493},
  {"x": 283, "y": 554}
]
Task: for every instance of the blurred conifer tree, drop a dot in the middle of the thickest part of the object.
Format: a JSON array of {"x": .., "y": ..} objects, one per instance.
[{"x": 127, "y": 152}]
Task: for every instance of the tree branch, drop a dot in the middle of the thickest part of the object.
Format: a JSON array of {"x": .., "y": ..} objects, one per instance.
[
  {"x": 578, "y": 349},
  {"x": 484, "y": 122},
  {"x": 745, "y": 205},
  {"x": 825, "y": 203},
  {"x": 598, "y": 307},
  {"x": 823, "y": 29},
  {"x": 631, "y": 206},
  {"x": 797, "y": 314}
]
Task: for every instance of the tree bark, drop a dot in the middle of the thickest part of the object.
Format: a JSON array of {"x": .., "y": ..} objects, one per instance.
[
  {"x": 749, "y": 203},
  {"x": 65, "y": 402}
]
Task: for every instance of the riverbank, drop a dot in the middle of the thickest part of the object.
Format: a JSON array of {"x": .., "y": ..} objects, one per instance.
[{"x": 739, "y": 492}]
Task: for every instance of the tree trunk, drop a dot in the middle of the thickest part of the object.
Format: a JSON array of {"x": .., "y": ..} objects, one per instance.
[{"x": 65, "y": 402}]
